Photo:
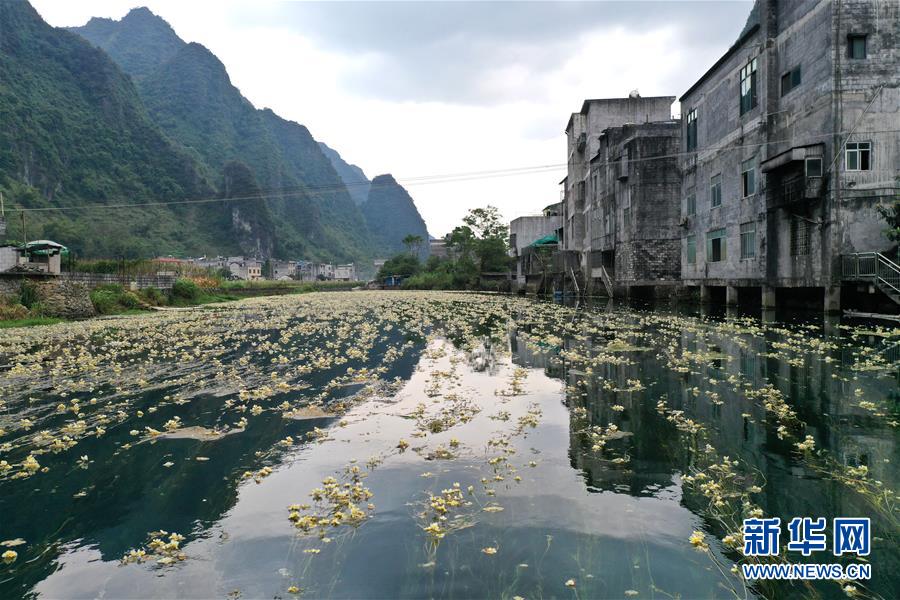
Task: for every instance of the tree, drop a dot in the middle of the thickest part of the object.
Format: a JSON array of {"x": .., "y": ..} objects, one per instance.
[{"x": 413, "y": 243}]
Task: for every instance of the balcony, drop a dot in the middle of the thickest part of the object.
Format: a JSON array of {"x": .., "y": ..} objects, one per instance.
[
  {"x": 798, "y": 189},
  {"x": 581, "y": 141}
]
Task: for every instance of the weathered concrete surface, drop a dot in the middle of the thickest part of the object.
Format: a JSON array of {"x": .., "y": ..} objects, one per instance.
[{"x": 58, "y": 297}]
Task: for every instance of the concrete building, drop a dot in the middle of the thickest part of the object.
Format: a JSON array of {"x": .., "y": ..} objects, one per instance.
[
  {"x": 345, "y": 272},
  {"x": 583, "y": 132},
  {"x": 283, "y": 269},
  {"x": 438, "y": 247},
  {"x": 633, "y": 192},
  {"x": 525, "y": 231},
  {"x": 248, "y": 269},
  {"x": 790, "y": 143}
]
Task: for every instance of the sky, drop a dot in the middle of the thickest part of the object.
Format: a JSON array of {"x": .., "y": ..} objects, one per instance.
[{"x": 424, "y": 89}]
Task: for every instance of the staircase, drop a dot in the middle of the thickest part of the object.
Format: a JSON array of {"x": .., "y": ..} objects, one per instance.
[{"x": 874, "y": 268}]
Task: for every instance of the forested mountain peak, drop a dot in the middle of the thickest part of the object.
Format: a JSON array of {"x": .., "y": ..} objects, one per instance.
[{"x": 139, "y": 42}]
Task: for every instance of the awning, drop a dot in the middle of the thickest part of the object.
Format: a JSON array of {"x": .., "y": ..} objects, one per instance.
[
  {"x": 547, "y": 240},
  {"x": 797, "y": 153},
  {"x": 45, "y": 247}
]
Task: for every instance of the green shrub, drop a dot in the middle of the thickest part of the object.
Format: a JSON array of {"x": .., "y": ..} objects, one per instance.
[
  {"x": 130, "y": 300},
  {"x": 106, "y": 302},
  {"x": 185, "y": 289},
  {"x": 28, "y": 293},
  {"x": 153, "y": 296}
]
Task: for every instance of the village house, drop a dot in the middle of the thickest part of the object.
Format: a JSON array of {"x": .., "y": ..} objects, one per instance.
[
  {"x": 283, "y": 269},
  {"x": 248, "y": 269},
  {"x": 583, "y": 132},
  {"x": 532, "y": 239},
  {"x": 633, "y": 191},
  {"x": 790, "y": 143},
  {"x": 345, "y": 272}
]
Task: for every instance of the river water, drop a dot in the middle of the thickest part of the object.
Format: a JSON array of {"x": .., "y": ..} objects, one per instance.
[{"x": 411, "y": 445}]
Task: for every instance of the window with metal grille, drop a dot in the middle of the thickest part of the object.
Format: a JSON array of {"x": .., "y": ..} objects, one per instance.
[
  {"x": 691, "y": 241},
  {"x": 748, "y": 178},
  {"x": 859, "y": 156},
  {"x": 748, "y": 86},
  {"x": 691, "y": 130},
  {"x": 690, "y": 202},
  {"x": 748, "y": 240},
  {"x": 799, "y": 237},
  {"x": 715, "y": 191},
  {"x": 856, "y": 46},
  {"x": 715, "y": 245},
  {"x": 790, "y": 80}
]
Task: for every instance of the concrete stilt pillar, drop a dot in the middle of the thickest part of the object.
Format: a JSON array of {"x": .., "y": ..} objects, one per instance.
[
  {"x": 768, "y": 297},
  {"x": 731, "y": 295},
  {"x": 704, "y": 294},
  {"x": 833, "y": 299}
]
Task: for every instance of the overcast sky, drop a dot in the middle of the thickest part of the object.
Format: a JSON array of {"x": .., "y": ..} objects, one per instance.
[{"x": 429, "y": 88}]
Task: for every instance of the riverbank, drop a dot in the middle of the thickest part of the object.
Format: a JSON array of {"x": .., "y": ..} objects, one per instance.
[{"x": 25, "y": 310}]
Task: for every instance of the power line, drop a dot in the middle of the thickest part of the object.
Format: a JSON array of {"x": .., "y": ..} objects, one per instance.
[{"x": 308, "y": 191}]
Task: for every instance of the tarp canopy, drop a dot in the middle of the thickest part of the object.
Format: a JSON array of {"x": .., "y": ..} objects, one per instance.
[
  {"x": 45, "y": 247},
  {"x": 547, "y": 240}
]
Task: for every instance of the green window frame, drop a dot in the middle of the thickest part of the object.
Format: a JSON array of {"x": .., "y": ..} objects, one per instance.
[
  {"x": 691, "y": 130},
  {"x": 857, "y": 46},
  {"x": 790, "y": 80},
  {"x": 748, "y": 240},
  {"x": 716, "y": 246},
  {"x": 748, "y": 178},
  {"x": 748, "y": 87},
  {"x": 690, "y": 202},
  {"x": 691, "y": 250},
  {"x": 715, "y": 190}
]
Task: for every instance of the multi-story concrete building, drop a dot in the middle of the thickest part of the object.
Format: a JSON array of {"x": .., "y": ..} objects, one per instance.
[
  {"x": 524, "y": 232},
  {"x": 633, "y": 191},
  {"x": 283, "y": 269},
  {"x": 790, "y": 142},
  {"x": 345, "y": 272},
  {"x": 583, "y": 133}
]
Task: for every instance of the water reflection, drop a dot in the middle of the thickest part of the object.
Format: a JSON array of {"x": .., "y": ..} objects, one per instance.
[{"x": 615, "y": 518}]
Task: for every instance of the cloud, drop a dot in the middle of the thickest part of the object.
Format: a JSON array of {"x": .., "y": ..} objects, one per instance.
[
  {"x": 427, "y": 88},
  {"x": 484, "y": 53}
]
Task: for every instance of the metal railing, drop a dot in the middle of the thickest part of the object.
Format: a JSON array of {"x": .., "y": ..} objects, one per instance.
[{"x": 872, "y": 266}]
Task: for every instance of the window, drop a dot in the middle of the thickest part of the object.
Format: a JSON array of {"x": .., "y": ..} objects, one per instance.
[
  {"x": 799, "y": 237},
  {"x": 748, "y": 240},
  {"x": 715, "y": 191},
  {"x": 691, "y": 249},
  {"x": 691, "y": 133},
  {"x": 790, "y": 80},
  {"x": 748, "y": 87},
  {"x": 748, "y": 178},
  {"x": 856, "y": 46},
  {"x": 626, "y": 211},
  {"x": 859, "y": 156},
  {"x": 715, "y": 245},
  {"x": 691, "y": 205},
  {"x": 814, "y": 167}
]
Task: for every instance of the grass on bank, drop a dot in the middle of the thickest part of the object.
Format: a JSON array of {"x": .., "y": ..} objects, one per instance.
[{"x": 24, "y": 309}]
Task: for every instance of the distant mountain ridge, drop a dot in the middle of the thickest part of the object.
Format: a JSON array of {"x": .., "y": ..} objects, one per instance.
[
  {"x": 353, "y": 177},
  {"x": 189, "y": 95},
  {"x": 75, "y": 133}
]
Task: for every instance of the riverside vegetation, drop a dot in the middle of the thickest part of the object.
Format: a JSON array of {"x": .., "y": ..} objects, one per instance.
[{"x": 412, "y": 444}]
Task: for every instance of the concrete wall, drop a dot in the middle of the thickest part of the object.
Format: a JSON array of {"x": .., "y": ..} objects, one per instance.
[
  {"x": 523, "y": 232},
  {"x": 635, "y": 170},
  {"x": 833, "y": 94},
  {"x": 134, "y": 282}
]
